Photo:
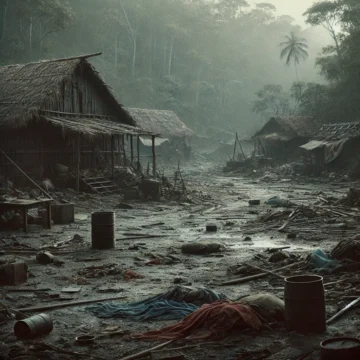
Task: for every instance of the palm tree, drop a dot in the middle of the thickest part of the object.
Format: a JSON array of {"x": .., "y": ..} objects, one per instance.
[{"x": 294, "y": 49}]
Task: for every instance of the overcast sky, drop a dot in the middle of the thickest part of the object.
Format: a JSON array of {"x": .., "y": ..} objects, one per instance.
[{"x": 295, "y": 8}]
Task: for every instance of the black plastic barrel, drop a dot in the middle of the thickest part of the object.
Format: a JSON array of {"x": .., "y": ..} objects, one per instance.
[
  {"x": 305, "y": 304},
  {"x": 33, "y": 326},
  {"x": 340, "y": 348},
  {"x": 103, "y": 230}
]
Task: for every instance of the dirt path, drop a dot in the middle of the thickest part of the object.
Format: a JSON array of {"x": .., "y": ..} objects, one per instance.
[{"x": 175, "y": 224}]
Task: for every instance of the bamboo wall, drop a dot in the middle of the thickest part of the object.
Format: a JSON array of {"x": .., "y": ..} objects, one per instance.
[{"x": 41, "y": 146}]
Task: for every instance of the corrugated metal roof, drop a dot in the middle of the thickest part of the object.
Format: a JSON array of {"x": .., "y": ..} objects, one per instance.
[
  {"x": 313, "y": 144},
  {"x": 147, "y": 141}
]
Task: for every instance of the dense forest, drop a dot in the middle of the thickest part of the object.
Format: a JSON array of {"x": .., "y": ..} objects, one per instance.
[{"x": 217, "y": 63}]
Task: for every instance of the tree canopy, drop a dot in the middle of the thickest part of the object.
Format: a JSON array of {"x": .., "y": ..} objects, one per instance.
[{"x": 203, "y": 59}]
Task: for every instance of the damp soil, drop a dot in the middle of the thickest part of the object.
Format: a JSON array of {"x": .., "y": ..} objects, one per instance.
[{"x": 176, "y": 223}]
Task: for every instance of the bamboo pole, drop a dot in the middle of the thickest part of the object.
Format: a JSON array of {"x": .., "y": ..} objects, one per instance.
[
  {"x": 257, "y": 276},
  {"x": 235, "y": 147},
  {"x": 112, "y": 158},
  {"x": 153, "y": 154},
  {"x": 77, "y": 163},
  {"x": 67, "y": 304},
  {"x": 28, "y": 177},
  {"x": 265, "y": 271},
  {"x": 131, "y": 149},
  {"x": 346, "y": 308},
  {"x": 138, "y": 152}
]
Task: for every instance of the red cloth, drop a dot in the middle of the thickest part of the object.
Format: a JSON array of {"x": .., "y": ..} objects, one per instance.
[
  {"x": 129, "y": 274},
  {"x": 212, "y": 320}
]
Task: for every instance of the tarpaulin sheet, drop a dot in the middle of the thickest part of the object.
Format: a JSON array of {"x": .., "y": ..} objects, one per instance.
[
  {"x": 172, "y": 305},
  {"x": 333, "y": 150},
  {"x": 210, "y": 321},
  {"x": 313, "y": 144}
]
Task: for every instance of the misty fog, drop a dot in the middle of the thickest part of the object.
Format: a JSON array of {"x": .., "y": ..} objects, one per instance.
[{"x": 203, "y": 59}]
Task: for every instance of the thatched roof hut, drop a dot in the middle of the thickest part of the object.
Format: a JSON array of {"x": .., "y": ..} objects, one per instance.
[
  {"x": 281, "y": 137},
  {"x": 57, "y": 91},
  {"x": 286, "y": 128},
  {"x": 335, "y": 142},
  {"x": 161, "y": 122},
  {"x": 61, "y": 111}
]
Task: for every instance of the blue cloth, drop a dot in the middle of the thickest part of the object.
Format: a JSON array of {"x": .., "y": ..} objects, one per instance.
[
  {"x": 172, "y": 305},
  {"x": 150, "y": 309},
  {"x": 320, "y": 262}
]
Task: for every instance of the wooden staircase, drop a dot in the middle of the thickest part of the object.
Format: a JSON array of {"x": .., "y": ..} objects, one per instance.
[{"x": 100, "y": 185}]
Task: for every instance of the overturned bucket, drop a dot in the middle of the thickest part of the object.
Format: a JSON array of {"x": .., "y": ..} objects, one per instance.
[
  {"x": 103, "y": 230},
  {"x": 305, "y": 304},
  {"x": 33, "y": 326}
]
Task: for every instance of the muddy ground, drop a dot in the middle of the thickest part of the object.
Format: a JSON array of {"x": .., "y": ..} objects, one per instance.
[{"x": 176, "y": 224}]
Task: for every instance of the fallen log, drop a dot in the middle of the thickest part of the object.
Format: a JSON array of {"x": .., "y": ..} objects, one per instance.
[{"x": 258, "y": 276}]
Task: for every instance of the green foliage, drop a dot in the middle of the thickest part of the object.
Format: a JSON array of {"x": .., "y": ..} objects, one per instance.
[
  {"x": 202, "y": 59},
  {"x": 340, "y": 64},
  {"x": 294, "y": 49},
  {"x": 272, "y": 101}
]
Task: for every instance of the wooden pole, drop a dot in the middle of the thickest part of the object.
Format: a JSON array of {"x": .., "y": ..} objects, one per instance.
[
  {"x": 123, "y": 148},
  {"x": 131, "y": 149},
  {"x": 112, "y": 158},
  {"x": 29, "y": 178},
  {"x": 77, "y": 163},
  {"x": 138, "y": 152},
  {"x": 154, "y": 155},
  {"x": 257, "y": 276},
  {"x": 235, "y": 147},
  {"x": 346, "y": 308},
  {"x": 67, "y": 304},
  {"x": 240, "y": 147}
]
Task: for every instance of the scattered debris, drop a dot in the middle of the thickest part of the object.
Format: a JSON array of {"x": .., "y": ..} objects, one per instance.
[
  {"x": 201, "y": 248},
  {"x": 211, "y": 228},
  {"x": 44, "y": 257},
  {"x": 33, "y": 326},
  {"x": 13, "y": 274}
]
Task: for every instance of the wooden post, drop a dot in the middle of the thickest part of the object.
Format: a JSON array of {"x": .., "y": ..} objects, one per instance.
[
  {"x": 235, "y": 148},
  {"x": 77, "y": 162},
  {"x": 240, "y": 146},
  {"x": 112, "y": 158},
  {"x": 154, "y": 155},
  {"x": 123, "y": 148},
  {"x": 131, "y": 149},
  {"x": 138, "y": 153}
]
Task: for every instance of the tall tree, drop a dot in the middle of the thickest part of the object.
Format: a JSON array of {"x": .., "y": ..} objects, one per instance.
[
  {"x": 326, "y": 14},
  {"x": 294, "y": 49}
]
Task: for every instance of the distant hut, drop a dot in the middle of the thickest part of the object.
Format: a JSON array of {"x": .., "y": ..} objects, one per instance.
[
  {"x": 60, "y": 112},
  {"x": 281, "y": 137},
  {"x": 334, "y": 146},
  {"x": 174, "y": 135}
]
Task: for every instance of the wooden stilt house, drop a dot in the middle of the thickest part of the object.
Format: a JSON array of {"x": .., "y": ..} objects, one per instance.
[{"x": 60, "y": 112}]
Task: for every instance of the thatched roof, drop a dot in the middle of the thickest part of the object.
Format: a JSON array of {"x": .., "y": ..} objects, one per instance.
[
  {"x": 161, "y": 122},
  {"x": 286, "y": 128},
  {"x": 25, "y": 89},
  {"x": 333, "y": 132},
  {"x": 91, "y": 125}
]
